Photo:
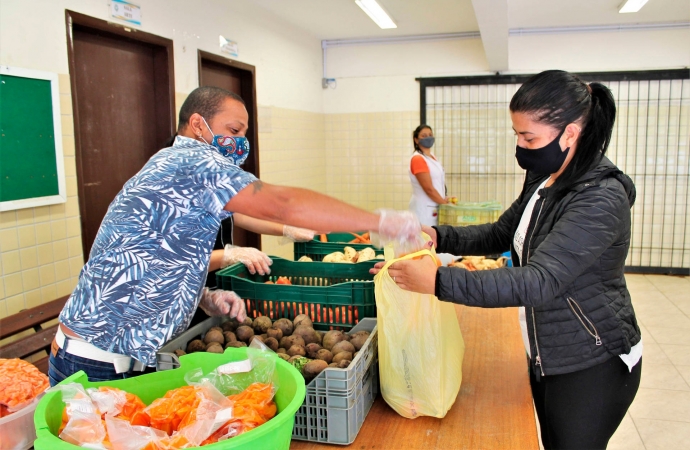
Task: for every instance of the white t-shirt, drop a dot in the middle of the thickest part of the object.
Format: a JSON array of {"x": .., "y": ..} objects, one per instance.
[{"x": 631, "y": 358}]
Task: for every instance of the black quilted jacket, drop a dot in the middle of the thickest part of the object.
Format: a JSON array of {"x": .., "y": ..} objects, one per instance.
[{"x": 571, "y": 281}]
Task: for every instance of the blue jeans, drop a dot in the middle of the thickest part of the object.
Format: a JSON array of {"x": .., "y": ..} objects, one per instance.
[{"x": 63, "y": 364}]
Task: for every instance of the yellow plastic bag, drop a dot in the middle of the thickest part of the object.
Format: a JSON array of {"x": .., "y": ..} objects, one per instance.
[{"x": 420, "y": 348}]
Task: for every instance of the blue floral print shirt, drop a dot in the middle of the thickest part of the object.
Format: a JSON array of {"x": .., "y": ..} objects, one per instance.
[{"x": 148, "y": 265}]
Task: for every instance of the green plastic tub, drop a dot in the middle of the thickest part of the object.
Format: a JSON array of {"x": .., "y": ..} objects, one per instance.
[
  {"x": 316, "y": 250},
  {"x": 334, "y": 295},
  {"x": 274, "y": 434}
]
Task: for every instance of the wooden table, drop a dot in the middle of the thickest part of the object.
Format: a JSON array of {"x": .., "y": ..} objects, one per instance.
[{"x": 493, "y": 409}]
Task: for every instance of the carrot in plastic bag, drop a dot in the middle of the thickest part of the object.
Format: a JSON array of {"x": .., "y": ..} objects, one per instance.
[
  {"x": 168, "y": 412},
  {"x": 133, "y": 408},
  {"x": 20, "y": 382},
  {"x": 252, "y": 407}
]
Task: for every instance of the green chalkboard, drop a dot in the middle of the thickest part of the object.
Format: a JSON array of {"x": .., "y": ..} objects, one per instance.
[{"x": 30, "y": 155}]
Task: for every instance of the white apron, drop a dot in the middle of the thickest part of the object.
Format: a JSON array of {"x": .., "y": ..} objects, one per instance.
[{"x": 425, "y": 208}]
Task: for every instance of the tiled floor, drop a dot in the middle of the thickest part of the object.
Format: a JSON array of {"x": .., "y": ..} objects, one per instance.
[{"x": 659, "y": 418}]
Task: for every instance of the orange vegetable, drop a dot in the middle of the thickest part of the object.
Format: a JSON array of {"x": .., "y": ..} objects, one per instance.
[
  {"x": 168, "y": 412},
  {"x": 252, "y": 407},
  {"x": 363, "y": 239},
  {"x": 323, "y": 238},
  {"x": 20, "y": 382},
  {"x": 283, "y": 280}
]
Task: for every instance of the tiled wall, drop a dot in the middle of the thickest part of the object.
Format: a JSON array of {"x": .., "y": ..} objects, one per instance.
[
  {"x": 293, "y": 153},
  {"x": 368, "y": 157},
  {"x": 40, "y": 248}
]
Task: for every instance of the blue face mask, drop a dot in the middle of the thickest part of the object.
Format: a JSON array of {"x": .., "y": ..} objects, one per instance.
[
  {"x": 233, "y": 147},
  {"x": 427, "y": 142}
]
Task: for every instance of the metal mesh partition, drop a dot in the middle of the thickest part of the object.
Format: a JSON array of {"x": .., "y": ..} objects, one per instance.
[{"x": 650, "y": 142}]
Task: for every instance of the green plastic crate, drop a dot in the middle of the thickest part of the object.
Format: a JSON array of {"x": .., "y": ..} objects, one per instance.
[
  {"x": 316, "y": 250},
  {"x": 334, "y": 295},
  {"x": 466, "y": 213},
  {"x": 274, "y": 434}
]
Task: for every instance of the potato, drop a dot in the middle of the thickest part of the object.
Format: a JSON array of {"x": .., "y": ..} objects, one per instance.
[
  {"x": 342, "y": 346},
  {"x": 333, "y": 337},
  {"x": 358, "y": 340},
  {"x": 312, "y": 348},
  {"x": 229, "y": 336},
  {"x": 303, "y": 319},
  {"x": 214, "y": 335},
  {"x": 215, "y": 347},
  {"x": 289, "y": 341},
  {"x": 230, "y": 325},
  {"x": 179, "y": 352},
  {"x": 197, "y": 345},
  {"x": 344, "y": 364},
  {"x": 313, "y": 368},
  {"x": 305, "y": 258},
  {"x": 334, "y": 257},
  {"x": 307, "y": 333},
  {"x": 244, "y": 333},
  {"x": 275, "y": 333},
  {"x": 297, "y": 350},
  {"x": 261, "y": 324},
  {"x": 342, "y": 356},
  {"x": 350, "y": 254},
  {"x": 281, "y": 350},
  {"x": 284, "y": 356},
  {"x": 271, "y": 343},
  {"x": 366, "y": 254},
  {"x": 325, "y": 355},
  {"x": 285, "y": 325},
  {"x": 235, "y": 344}
]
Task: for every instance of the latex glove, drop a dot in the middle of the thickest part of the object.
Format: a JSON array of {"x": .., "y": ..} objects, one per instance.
[
  {"x": 223, "y": 303},
  {"x": 296, "y": 234},
  {"x": 401, "y": 229},
  {"x": 255, "y": 260}
]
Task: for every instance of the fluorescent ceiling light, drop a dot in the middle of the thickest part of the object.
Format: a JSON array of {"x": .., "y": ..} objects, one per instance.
[
  {"x": 376, "y": 13},
  {"x": 632, "y": 6}
]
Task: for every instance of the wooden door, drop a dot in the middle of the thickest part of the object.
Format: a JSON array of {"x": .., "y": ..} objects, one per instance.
[
  {"x": 123, "y": 101},
  {"x": 240, "y": 79}
]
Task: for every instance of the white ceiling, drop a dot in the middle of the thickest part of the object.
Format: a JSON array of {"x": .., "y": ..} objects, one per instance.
[
  {"x": 493, "y": 19},
  {"x": 342, "y": 19}
]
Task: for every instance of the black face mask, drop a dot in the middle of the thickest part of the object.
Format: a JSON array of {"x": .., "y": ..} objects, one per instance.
[{"x": 545, "y": 160}]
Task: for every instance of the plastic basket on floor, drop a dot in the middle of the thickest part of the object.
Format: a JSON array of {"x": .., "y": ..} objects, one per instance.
[
  {"x": 316, "y": 250},
  {"x": 274, "y": 434},
  {"x": 338, "y": 400},
  {"x": 333, "y": 295},
  {"x": 466, "y": 213}
]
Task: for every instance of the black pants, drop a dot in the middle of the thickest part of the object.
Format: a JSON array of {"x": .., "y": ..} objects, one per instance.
[{"x": 581, "y": 410}]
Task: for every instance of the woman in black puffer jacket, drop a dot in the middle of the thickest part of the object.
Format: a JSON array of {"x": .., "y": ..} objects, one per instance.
[{"x": 569, "y": 233}]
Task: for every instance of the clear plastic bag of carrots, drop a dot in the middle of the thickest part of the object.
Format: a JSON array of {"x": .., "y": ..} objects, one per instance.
[
  {"x": 185, "y": 417},
  {"x": 20, "y": 383}
]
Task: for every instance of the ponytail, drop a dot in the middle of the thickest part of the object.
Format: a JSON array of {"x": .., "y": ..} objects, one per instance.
[
  {"x": 558, "y": 98},
  {"x": 594, "y": 139}
]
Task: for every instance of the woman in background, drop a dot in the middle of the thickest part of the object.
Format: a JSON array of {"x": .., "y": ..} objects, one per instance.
[{"x": 427, "y": 178}]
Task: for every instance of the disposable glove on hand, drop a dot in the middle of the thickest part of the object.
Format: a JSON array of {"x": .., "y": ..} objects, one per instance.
[
  {"x": 296, "y": 234},
  {"x": 223, "y": 303},
  {"x": 402, "y": 229},
  {"x": 255, "y": 260}
]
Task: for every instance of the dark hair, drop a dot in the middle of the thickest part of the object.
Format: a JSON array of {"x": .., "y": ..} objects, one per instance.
[
  {"x": 415, "y": 135},
  {"x": 206, "y": 101},
  {"x": 559, "y": 98}
]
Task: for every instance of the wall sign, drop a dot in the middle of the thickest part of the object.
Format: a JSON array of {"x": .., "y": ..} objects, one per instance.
[
  {"x": 125, "y": 11},
  {"x": 229, "y": 47}
]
